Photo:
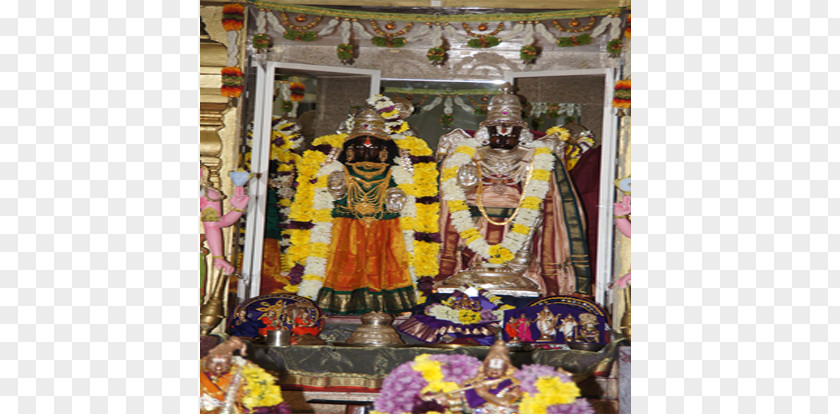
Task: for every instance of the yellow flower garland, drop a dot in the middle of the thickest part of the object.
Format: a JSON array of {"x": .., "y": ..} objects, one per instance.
[
  {"x": 259, "y": 388},
  {"x": 423, "y": 184}
]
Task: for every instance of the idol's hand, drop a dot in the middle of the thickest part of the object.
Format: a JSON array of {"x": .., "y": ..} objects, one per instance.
[
  {"x": 240, "y": 201},
  {"x": 468, "y": 175},
  {"x": 223, "y": 265},
  {"x": 622, "y": 208}
]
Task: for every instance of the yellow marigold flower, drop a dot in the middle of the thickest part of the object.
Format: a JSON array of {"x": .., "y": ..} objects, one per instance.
[
  {"x": 429, "y": 368},
  {"x": 407, "y": 223},
  {"x": 466, "y": 150},
  {"x": 391, "y": 114},
  {"x": 319, "y": 249},
  {"x": 456, "y": 205},
  {"x": 298, "y": 253},
  {"x": 471, "y": 232},
  {"x": 532, "y": 203},
  {"x": 297, "y": 236},
  {"x": 468, "y": 317},
  {"x": 555, "y": 391},
  {"x": 561, "y": 132},
  {"x": 427, "y": 217},
  {"x": 448, "y": 173},
  {"x": 499, "y": 254},
  {"x": 322, "y": 216},
  {"x": 285, "y": 202},
  {"x": 312, "y": 277},
  {"x": 542, "y": 175},
  {"x": 519, "y": 228},
  {"x": 291, "y": 288}
]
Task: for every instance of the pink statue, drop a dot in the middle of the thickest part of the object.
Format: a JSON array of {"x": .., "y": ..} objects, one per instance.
[
  {"x": 622, "y": 223},
  {"x": 211, "y": 207}
]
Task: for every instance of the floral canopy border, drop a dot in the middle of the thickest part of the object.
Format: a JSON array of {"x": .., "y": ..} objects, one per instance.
[{"x": 437, "y": 18}]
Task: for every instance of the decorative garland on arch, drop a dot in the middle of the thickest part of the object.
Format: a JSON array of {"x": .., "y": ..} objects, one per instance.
[{"x": 364, "y": 25}]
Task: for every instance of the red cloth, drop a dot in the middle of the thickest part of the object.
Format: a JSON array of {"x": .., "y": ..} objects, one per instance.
[{"x": 586, "y": 177}]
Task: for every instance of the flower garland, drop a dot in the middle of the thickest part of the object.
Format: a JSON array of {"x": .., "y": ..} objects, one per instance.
[
  {"x": 621, "y": 99},
  {"x": 447, "y": 311},
  {"x": 547, "y": 391},
  {"x": 533, "y": 195},
  {"x": 426, "y": 373},
  {"x": 259, "y": 394},
  {"x": 311, "y": 213},
  {"x": 232, "y": 17},
  {"x": 418, "y": 179},
  {"x": 260, "y": 390}
]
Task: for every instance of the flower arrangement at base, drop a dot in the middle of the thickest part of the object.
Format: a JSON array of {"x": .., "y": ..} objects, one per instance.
[
  {"x": 528, "y": 53},
  {"x": 403, "y": 387},
  {"x": 261, "y": 42},
  {"x": 436, "y": 55},
  {"x": 246, "y": 388},
  {"x": 468, "y": 315},
  {"x": 436, "y": 383},
  {"x": 345, "y": 52},
  {"x": 549, "y": 391},
  {"x": 581, "y": 40},
  {"x": 231, "y": 82}
]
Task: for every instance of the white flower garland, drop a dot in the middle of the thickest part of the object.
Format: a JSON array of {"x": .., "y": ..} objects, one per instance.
[
  {"x": 543, "y": 164},
  {"x": 321, "y": 232}
]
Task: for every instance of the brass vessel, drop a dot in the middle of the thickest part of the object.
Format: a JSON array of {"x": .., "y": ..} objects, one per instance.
[{"x": 376, "y": 330}]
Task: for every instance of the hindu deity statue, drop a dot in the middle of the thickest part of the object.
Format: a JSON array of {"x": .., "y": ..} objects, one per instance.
[
  {"x": 494, "y": 389},
  {"x": 546, "y": 322},
  {"x": 357, "y": 257},
  {"x": 510, "y": 218},
  {"x": 232, "y": 385}
]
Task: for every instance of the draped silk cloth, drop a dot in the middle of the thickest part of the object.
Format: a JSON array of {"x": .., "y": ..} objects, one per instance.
[
  {"x": 560, "y": 263},
  {"x": 367, "y": 269}
]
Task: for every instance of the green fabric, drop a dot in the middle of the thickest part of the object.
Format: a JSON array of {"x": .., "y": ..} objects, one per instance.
[
  {"x": 272, "y": 216},
  {"x": 375, "y": 363},
  {"x": 579, "y": 252}
]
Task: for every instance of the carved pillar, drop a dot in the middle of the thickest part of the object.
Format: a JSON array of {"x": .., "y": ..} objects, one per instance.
[{"x": 218, "y": 151}]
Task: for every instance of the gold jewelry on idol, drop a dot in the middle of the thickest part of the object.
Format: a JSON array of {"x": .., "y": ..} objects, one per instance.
[
  {"x": 480, "y": 195},
  {"x": 366, "y": 198}
]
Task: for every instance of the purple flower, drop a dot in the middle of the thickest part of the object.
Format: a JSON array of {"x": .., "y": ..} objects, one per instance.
[
  {"x": 529, "y": 374},
  {"x": 580, "y": 406},
  {"x": 401, "y": 388},
  {"x": 296, "y": 274},
  {"x": 457, "y": 368}
]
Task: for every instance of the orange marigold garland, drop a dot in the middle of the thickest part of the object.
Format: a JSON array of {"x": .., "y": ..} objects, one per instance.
[
  {"x": 297, "y": 90},
  {"x": 231, "y": 82},
  {"x": 627, "y": 28},
  {"x": 232, "y": 16},
  {"x": 621, "y": 99}
]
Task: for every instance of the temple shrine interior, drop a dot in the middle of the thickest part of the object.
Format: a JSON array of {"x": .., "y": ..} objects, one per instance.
[{"x": 415, "y": 206}]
